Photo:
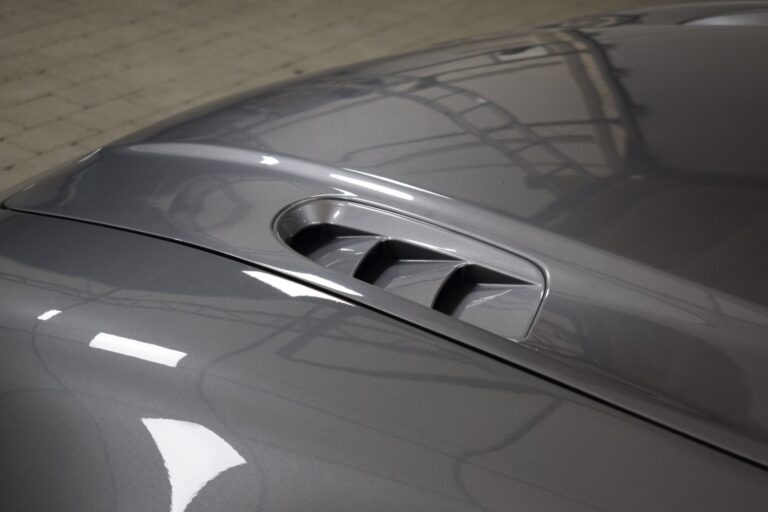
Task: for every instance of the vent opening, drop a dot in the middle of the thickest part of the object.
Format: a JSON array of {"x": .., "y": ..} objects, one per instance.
[
  {"x": 390, "y": 253},
  {"x": 316, "y": 236},
  {"x": 404, "y": 257}
]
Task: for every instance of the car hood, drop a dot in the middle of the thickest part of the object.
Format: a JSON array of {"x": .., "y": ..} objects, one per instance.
[
  {"x": 625, "y": 162},
  {"x": 169, "y": 378}
]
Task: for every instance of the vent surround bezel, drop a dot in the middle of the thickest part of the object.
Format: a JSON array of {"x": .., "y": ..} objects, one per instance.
[{"x": 435, "y": 268}]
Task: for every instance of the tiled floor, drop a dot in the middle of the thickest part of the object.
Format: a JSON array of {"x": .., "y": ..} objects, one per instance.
[{"x": 75, "y": 74}]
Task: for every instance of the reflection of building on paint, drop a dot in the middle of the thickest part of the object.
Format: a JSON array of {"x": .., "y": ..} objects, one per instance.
[
  {"x": 193, "y": 456},
  {"x": 138, "y": 349},
  {"x": 569, "y": 126}
]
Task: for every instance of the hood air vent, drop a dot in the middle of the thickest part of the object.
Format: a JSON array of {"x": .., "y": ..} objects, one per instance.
[
  {"x": 408, "y": 270},
  {"x": 455, "y": 275}
]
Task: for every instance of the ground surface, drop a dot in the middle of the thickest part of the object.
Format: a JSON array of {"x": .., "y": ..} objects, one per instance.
[{"x": 75, "y": 74}]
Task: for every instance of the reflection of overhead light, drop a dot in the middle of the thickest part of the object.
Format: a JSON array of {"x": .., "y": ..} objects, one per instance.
[
  {"x": 321, "y": 281},
  {"x": 138, "y": 349},
  {"x": 288, "y": 287},
  {"x": 398, "y": 183},
  {"x": 344, "y": 192},
  {"x": 430, "y": 246},
  {"x": 269, "y": 160},
  {"x": 193, "y": 456},
  {"x": 373, "y": 186},
  {"x": 48, "y": 314}
]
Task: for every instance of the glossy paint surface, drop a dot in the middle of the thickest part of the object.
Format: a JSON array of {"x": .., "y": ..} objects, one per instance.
[
  {"x": 141, "y": 375},
  {"x": 733, "y": 13},
  {"x": 596, "y": 154}
]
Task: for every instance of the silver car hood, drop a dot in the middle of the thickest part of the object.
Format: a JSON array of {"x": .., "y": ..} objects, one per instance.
[{"x": 592, "y": 154}]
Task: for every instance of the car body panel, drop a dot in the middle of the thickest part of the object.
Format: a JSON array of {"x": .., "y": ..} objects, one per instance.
[
  {"x": 165, "y": 348},
  {"x": 590, "y": 153},
  {"x": 143, "y": 375},
  {"x": 710, "y": 13}
]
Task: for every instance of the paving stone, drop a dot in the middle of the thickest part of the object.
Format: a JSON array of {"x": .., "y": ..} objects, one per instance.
[
  {"x": 80, "y": 70},
  {"x": 119, "y": 37},
  {"x": 74, "y": 48},
  {"x": 107, "y": 116},
  {"x": 33, "y": 17},
  {"x": 183, "y": 38},
  {"x": 93, "y": 142},
  {"x": 263, "y": 60},
  {"x": 21, "y": 66},
  {"x": 38, "y": 164},
  {"x": 12, "y": 177},
  {"x": 28, "y": 88},
  {"x": 7, "y": 129},
  {"x": 96, "y": 91},
  {"x": 8, "y": 7},
  {"x": 47, "y": 35},
  {"x": 156, "y": 72},
  {"x": 39, "y": 111},
  {"x": 12, "y": 154},
  {"x": 49, "y": 136},
  {"x": 160, "y": 115},
  {"x": 134, "y": 54}
]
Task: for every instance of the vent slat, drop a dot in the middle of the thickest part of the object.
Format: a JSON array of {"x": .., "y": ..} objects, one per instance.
[
  {"x": 487, "y": 299},
  {"x": 410, "y": 271},
  {"x": 334, "y": 247}
]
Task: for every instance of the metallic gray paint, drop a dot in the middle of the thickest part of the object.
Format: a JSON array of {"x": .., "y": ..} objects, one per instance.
[
  {"x": 589, "y": 153},
  {"x": 597, "y": 154},
  {"x": 311, "y": 402},
  {"x": 708, "y": 13}
]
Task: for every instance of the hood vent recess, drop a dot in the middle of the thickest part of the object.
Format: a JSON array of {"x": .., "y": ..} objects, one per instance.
[{"x": 451, "y": 274}]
